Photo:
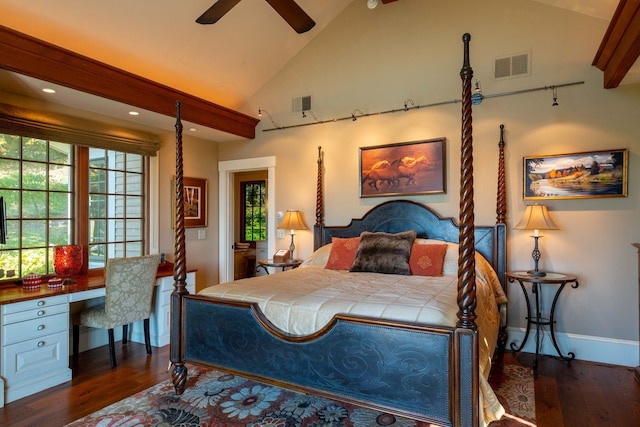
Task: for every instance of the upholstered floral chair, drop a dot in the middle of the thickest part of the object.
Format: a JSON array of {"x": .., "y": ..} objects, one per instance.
[{"x": 129, "y": 286}]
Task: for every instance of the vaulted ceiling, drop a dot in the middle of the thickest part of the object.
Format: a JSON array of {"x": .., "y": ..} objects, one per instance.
[{"x": 223, "y": 64}]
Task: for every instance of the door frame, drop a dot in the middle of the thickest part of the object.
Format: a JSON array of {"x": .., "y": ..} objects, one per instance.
[{"x": 226, "y": 171}]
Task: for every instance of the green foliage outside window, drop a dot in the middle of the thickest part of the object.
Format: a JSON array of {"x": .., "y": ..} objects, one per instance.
[
  {"x": 36, "y": 183},
  {"x": 254, "y": 210}
]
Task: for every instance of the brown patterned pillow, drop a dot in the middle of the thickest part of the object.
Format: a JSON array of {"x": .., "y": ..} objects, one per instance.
[
  {"x": 384, "y": 252},
  {"x": 427, "y": 260},
  {"x": 343, "y": 252}
]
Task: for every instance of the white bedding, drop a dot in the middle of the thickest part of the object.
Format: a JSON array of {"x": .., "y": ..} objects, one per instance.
[{"x": 302, "y": 301}]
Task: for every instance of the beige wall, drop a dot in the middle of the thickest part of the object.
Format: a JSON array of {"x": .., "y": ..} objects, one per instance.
[
  {"x": 200, "y": 160},
  {"x": 374, "y": 60}
]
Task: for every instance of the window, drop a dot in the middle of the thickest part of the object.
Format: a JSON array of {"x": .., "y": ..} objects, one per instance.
[
  {"x": 116, "y": 206},
  {"x": 253, "y": 223},
  {"x": 103, "y": 209},
  {"x": 36, "y": 180}
]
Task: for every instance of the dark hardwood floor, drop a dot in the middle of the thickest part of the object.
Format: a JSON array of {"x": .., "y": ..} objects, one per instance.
[{"x": 581, "y": 395}]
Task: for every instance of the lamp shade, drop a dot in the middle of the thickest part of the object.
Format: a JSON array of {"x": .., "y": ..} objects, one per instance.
[
  {"x": 293, "y": 221},
  {"x": 536, "y": 217},
  {"x": 67, "y": 260}
]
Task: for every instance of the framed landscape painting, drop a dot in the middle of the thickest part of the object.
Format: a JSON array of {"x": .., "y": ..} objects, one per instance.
[
  {"x": 590, "y": 174},
  {"x": 403, "y": 168}
]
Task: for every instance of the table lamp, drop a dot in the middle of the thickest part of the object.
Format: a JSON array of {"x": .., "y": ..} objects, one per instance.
[
  {"x": 67, "y": 262},
  {"x": 536, "y": 217},
  {"x": 292, "y": 221}
]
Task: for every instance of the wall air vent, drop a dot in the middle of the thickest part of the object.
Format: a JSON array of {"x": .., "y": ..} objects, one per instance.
[
  {"x": 517, "y": 65},
  {"x": 300, "y": 104}
]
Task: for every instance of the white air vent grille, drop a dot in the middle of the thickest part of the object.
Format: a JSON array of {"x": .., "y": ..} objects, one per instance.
[
  {"x": 302, "y": 103},
  {"x": 512, "y": 66}
]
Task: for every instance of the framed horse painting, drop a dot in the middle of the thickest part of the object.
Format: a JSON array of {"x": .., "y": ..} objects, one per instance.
[{"x": 403, "y": 168}]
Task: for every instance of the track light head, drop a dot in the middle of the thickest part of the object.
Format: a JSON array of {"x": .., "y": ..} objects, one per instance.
[
  {"x": 477, "y": 96},
  {"x": 407, "y": 103}
]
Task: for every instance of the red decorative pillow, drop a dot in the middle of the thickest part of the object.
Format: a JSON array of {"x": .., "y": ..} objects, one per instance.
[
  {"x": 427, "y": 260},
  {"x": 343, "y": 253}
]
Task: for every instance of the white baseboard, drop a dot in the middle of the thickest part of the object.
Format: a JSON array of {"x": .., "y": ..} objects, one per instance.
[
  {"x": 91, "y": 338},
  {"x": 585, "y": 347}
]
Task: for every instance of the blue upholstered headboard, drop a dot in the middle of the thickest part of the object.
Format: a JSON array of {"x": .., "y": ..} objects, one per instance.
[{"x": 402, "y": 215}]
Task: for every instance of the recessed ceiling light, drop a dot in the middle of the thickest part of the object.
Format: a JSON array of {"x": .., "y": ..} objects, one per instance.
[
  {"x": 133, "y": 113},
  {"x": 192, "y": 129},
  {"x": 49, "y": 90}
]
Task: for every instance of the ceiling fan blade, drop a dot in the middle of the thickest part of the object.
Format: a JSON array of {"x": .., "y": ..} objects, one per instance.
[
  {"x": 217, "y": 11},
  {"x": 293, "y": 14}
]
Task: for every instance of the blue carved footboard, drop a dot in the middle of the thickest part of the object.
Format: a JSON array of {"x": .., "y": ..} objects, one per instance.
[{"x": 394, "y": 367}]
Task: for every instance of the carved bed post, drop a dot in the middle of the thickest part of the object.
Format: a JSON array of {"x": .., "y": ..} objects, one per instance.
[
  {"x": 317, "y": 228},
  {"x": 500, "y": 263},
  {"x": 466, "y": 256},
  {"x": 501, "y": 199},
  {"x": 466, "y": 369},
  {"x": 179, "y": 370}
]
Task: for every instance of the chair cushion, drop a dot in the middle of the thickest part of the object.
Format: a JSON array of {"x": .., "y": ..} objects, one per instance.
[{"x": 93, "y": 317}]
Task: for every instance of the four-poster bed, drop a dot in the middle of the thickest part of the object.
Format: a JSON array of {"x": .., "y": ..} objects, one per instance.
[{"x": 426, "y": 371}]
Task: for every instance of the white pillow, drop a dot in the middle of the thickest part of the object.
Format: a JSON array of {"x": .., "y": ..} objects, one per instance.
[
  {"x": 319, "y": 257},
  {"x": 484, "y": 271}
]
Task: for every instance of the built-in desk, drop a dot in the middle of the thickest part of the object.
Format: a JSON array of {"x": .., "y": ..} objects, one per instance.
[{"x": 35, "y": 330}]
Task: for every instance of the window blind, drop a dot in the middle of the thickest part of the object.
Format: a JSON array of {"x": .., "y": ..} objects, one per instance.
[{"x": 73, "y": 130}]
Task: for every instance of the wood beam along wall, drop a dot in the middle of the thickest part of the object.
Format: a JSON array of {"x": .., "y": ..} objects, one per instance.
[
  {"x": 620, "y": 46},
  {"x": 36, "y": 58}
]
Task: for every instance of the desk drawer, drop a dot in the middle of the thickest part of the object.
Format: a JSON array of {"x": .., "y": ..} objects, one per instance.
[
  {"x": 35, "y": 328},
  {"x": 21, "y": 361},
  {"x": 35, "y": 311},
  {"x": 33, "y": 304}
]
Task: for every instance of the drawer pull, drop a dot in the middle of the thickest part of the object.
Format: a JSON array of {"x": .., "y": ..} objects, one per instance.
[
  {"x": 41, "y": 303},
  {"x": 40, "y": 327},
  {"x": 40, "y": 343},
  {"x": 41, "y": 313}
]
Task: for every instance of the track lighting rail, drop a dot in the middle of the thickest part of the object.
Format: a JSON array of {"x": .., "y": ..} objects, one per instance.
[{"x": 406, "y": 107}]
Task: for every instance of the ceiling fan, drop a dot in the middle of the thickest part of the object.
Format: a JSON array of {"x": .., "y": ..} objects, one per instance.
[{"x": 288, "y": 9}]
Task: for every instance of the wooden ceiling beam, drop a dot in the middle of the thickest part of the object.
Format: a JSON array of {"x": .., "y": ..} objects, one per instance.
[
  {"x": 36, "y": 58},
  {"x": 620, "y": 46}
]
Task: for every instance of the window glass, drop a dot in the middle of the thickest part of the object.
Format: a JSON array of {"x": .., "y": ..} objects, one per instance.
[
  {"x": 36, "y": 181},
  {"x": 116, "y": 208},
  {"x": 254, "y": 209}
]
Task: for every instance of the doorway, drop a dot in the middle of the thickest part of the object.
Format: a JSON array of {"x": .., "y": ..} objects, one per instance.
[{"x": 227, "y": 211}]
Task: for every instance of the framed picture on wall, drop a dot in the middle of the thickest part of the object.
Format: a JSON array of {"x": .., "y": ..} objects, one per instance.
[
  {"x": 195, "y": 202},
  {"x": 590, "y": 174},
  {"x": 403, "y": 168}
]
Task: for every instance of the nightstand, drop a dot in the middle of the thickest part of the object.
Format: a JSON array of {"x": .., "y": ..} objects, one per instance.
[
  {"x": 290, "y": 263},
  {"x": 537, "y": 318}
]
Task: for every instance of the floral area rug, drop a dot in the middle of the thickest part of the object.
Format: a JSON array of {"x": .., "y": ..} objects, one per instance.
[
  {"x": 515, "y": 390},
  {"x": 213, "y": 398}
]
